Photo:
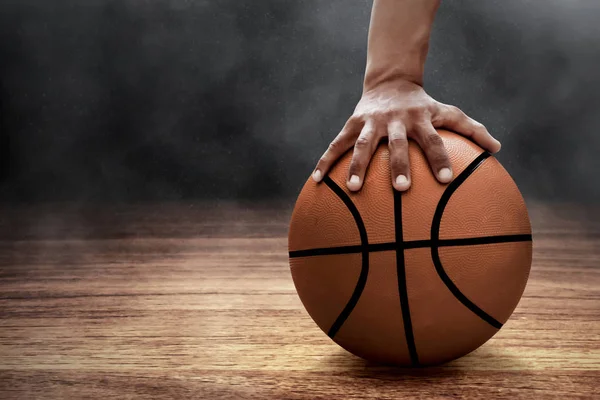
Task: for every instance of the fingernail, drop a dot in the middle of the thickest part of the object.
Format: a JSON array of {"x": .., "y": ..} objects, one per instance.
[
  {"x": 317, "y": 175},
  {"x": 401, "y": 182},
  {"x": 354, "y": 182},
  {"x": 499, "y": 145},
  {"x": 445, "y": 175}
]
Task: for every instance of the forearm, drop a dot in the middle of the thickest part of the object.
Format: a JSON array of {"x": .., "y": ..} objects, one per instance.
[
  {"x": 394, "y": 103},
  {"x": 398, "y": 40}
]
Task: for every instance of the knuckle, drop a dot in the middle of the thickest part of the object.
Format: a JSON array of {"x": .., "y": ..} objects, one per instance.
[
  {"x": 399, "y": 164},
  {"x": 437, "y": 107},
  {"x": 432, "y": 140},
  {"x": 398, "y": 142},
  {"x": 362, "y": 143},
  {"x": 355, "y": 166},
  {"x": 383, "y": 115},
  {"x": 416, "y": 113},
  {"x": 396, "y": 125},
  {"x": 431, "y": 107},
  {"x": 439, "y": 158},
  {"x": 458, "y": 114},
  {"x": 334, "y": 146},
  {"x": 324, "y": 159},
  {"x": 480, "y": 126},
  {"x": 446, "y": 113},
  {"x": 356, "y": 118},
  {"x": 454, "y": 110},
  {"x": 477, "y": 128},
  {"x": 437, "y": 155},
  {"x": 438, "y": 118}
]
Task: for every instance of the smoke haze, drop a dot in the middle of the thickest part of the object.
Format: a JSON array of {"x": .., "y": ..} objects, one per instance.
[{"x": 135, "y": 100}]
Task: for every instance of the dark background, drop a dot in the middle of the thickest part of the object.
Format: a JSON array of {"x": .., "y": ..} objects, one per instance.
[{"x": 119, "y": 101}]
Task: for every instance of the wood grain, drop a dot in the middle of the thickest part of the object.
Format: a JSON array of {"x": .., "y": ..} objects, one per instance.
[{"x": 196, "y": 301}]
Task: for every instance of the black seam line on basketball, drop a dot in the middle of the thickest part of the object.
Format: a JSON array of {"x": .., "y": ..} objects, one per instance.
[
  {"x": 401, "y": 274},
  {"x": 411, "y": 244},
  {"x": 364, "y": 271},
  {"x": 473, "y": 241},
  {"x": 435, "y": 235}
]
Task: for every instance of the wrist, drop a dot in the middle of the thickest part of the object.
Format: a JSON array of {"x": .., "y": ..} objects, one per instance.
[
  {"x": 396, "y": 86},
  {"x": 407, "y": 63},
  {"x": 376, "y": 76}
]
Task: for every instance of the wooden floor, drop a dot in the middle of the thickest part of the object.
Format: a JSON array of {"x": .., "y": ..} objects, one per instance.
[{"x": 197, "y": 302}]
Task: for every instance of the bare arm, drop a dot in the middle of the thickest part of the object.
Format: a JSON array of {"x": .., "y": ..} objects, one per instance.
[
  {"x": 398, "y": 40},
  {"x": 394, "y": 102}
]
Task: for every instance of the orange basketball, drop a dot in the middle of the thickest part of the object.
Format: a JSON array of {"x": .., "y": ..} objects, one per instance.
[{"x": 414, "y": 278}]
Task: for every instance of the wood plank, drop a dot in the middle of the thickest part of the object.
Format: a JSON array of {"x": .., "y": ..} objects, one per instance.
[{"x": 160, "y": 301}]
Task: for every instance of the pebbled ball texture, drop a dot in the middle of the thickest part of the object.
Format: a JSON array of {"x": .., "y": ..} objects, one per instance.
[{"x": 417, "y": 278}]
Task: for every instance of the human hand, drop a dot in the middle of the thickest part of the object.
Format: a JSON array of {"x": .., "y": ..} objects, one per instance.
[{"x": 400, "y": 109}]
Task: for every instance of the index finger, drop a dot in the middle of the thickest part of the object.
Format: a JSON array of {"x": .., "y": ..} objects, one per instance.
[{"x": 342, "y": 142}]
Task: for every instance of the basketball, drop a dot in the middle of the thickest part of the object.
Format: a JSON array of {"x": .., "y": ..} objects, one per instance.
[{"x": 412, "y": 278}]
